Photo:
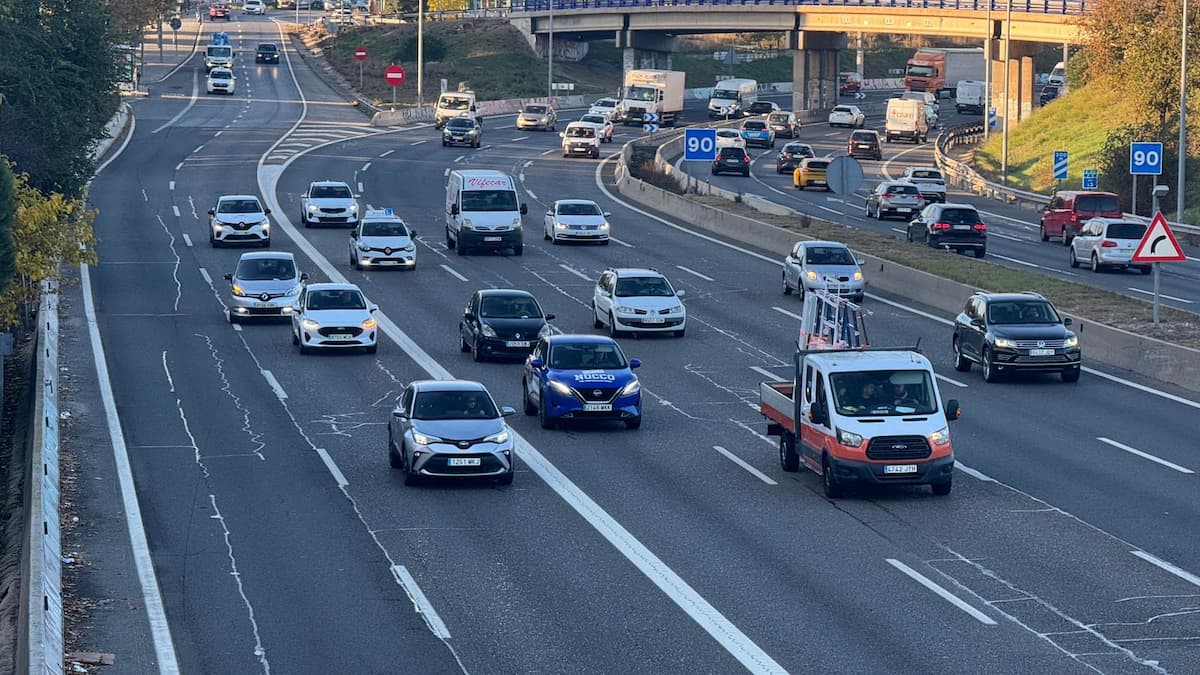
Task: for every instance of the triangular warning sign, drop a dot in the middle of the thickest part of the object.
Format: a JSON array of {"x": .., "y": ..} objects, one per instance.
[{"x": 1158, "y": 244}]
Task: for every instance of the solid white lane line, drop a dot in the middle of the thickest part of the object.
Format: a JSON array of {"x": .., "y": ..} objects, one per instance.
[
  {"x": 896, "y": 229},
  {"x": 175, "y": 210},
  {"x": 453, "y": 273},
  {"x": 198, "y": 148},
  {"x": 160, "y": 630},
  {"x": 531, "y": 195},
  {"x": 787, "y": 313},
  {"x": 459, "y": 158},
  {"x": 549, "y": 151},
  {"x": 943, "y": 593},
  {"x": 692, "y": 271},
  {"x": 275, "y": 386},
  {"x": 1145, "y": 455},
  {"x": 742, "y": 463},
  {"x": 1164, "y": 565},
  {"x": 1161, "y": 295},
  {"x": 237, "y": 327},
  {"x": 187, "y": 240},
  {"x": 1026, "y": 263},
  {"x": 424, "y": 607},
  {"x": 365, "y": 166},
  {"x": 191, "y": 102},
  {"x": 947, "y": 380},
  {"x": 388, "y": 152},
  {"x": 768, "y": 374},
  {"x": 333, "y": 467},
  {"x": 574, "y": 271},
  {"x": 519, "y": 138},
  {"x": 618, "y": 241},
  {"x": 179, "y": 166}
]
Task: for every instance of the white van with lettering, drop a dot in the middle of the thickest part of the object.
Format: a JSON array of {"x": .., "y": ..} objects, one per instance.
[{"x": 483, "y": 211}]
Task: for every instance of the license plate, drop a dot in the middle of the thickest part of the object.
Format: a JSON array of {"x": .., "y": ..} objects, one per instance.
[
  {"x": 962, "y": 227},
  {"x": 463, "y": 461},
  {"x": 904, "y": 209},
  {"x": 340, "y": 336},
  {"x": 1041, "y": 352},
  {"x": 863, "y": 147},
  {"x": 900, "y": 468},
  {"x": 732, "y": 161},
  {"x": 262, "y": 304},
  {"x": 597, "y": 407},
  {"x": 387, "y": 262},
  {"x": 492, "y": 238},
  {"x": 653, "y": 319},
  {"x": 517, "y": 343}
]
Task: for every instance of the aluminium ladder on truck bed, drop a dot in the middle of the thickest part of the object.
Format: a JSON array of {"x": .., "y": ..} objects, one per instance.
[{"x": 830, "y": 321}]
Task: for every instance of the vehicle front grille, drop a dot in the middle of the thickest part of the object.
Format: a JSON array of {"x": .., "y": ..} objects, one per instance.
[
  {"x": 898, "y": 447},
  {"x": 596, "y": 394},
  {"x": 353, "y": 331},
  {"x": 1045, "y": 344},
  {"x": 488, "y": 463},
  {"x": 333, "y": 210}
]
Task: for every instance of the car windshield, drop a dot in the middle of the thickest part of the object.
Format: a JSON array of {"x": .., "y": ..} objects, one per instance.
[
  {"x": 604, "y": 103},
  {"x": 266, "y": 269},
  {"x": 731, "y": 153},
  {"x": 335, "y": 299},
  {"x": 239, "y": 206},
  {"x": 638, "y": 287},
  {"x": 863, "y": 136},
  {"x": 725, "y": 95},
  {"x": 454, "y": 405},
  {"x": 455, "y": 103},
  {"x": 959, "y": 216},
  {"x": 329, "y": 192},
  {"x": 727, "y": 133},
  {"x": 819, "y": 166},
  {"x": 220, "y": 51},
  {"x": 636, "y": 93},
  {"x": 842, "y": 109},
  {"x": 921, "y": 71},
  {"x": 828, "y": 255},
  {"x": 581, "y": 132},
  {"x": 266, "y": 48},
  {"x": 384, "y": 228},
  {"x": 578, "y": 209},
  {"x": 778, "y": 118},
  {"x": 535, "y": 109},
  {"x": 489, "y": 200},
  {"x": 902, "y": 190},
  {"x": 1021, "y": 311},
  {"x": 586, "y": 356},
  {"x": 1126, "y": 230},
  {"x": 219, "y": 74},
  {"x": 883, "y": 393},
  {"x": 755, "y": 126},
  {"x": 593, "y": 119},
  {"x": 798, "y": 149},
  {"x": 461, "y": 123},
  {"x": 509, "y": 307},
  {"x": 929, "y": 174},
  {"x": 1097, "y": 204}
]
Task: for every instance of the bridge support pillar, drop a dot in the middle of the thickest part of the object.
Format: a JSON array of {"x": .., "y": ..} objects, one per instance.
[
  {"x": 1017, "y": 103},
  {"x": 646, "y": 50},
  {"x": 815, "y": 70}
]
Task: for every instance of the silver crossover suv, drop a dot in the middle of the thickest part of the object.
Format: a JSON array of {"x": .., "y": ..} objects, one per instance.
[
  {"x": 263, "y": 285},
  {"x": 450, "y": 428}
]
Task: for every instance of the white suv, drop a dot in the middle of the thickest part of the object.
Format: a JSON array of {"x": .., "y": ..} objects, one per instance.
[
  {"x": 328, "y": 202},
  {"x": 239, "y": 219},
  {"x": 635, "y": 299}
]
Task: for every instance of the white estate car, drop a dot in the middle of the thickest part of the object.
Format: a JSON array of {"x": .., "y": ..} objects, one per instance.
[
  {"x": 637, "y": 299},
  {"x": 334, "y": 316},
  {"x": 254, "y": 7},
  {"x": 576, "y": 220},
  {"x": 265, "y": 284},
  {"x": 382, "y": 239},
  {"x": 220, "y": 81},
  {"x": 328, "y": 202},
  {"x": 847, "y": 116},
  {"x": 730, "y": 138},
  {"x": 238, "y": 219},
  {"x": 604, "y": 126}
]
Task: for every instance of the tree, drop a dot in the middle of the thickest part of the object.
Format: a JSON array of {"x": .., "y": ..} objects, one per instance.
[{"x": 8, "y": 212}]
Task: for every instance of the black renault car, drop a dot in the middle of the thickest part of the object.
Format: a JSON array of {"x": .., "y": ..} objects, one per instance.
[
  {"x": 1010, "y": 332},
  {"x": 731, "y": 160},
  {"x": 502, "y": 322},
  {"x": 791, "y": 155}
]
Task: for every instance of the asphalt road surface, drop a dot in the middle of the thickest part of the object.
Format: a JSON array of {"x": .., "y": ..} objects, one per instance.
[{"x": 282, "y": 541}]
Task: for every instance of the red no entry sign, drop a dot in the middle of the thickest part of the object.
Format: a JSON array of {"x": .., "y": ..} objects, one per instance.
[
  {"x": 394, "y": 75},
  {"x": 360, "y": 53}
]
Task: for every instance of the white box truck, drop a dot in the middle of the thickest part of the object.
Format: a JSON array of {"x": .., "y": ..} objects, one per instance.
[
  {"x": 938, "y": 70},
  {"x": 644, "y": 92},
  {"x": 452, "y": 104},
  {"x": 906, "y": 119},
  {"x": 732, "y": 96}
]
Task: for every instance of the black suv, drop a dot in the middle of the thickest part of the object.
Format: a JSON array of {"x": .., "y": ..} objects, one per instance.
[
  {"x": 865, "y": 143},
  {"x": 731, "y": 160},
  {"x": 1007, "y": 332},
  {"x": 790, "y": 156},
  {"x": 953, "y": 226},
  {"x": 266, "y": 53}
]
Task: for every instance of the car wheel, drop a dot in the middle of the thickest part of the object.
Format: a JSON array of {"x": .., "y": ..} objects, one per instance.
[
  {"x": 463, "y": 345},
  {"x": 596, "y": 322},
  {"x": 546, "y": 235},
  {"x": 868, "y": 209},
  {"x": 789, "y": 459},
  {"x": 1071, "y": 255},
  {"x": 353, "y": 261},
  {"x": 1042, "y": 232},
  {"x": 1066, "y": 236},
  {"x": 633, "y": 423},
  {"x": 305, "y": 349},
  {"x": 526, "y": 404},
  {"x": 1145, "y": 269},
  {"x": 679, "y": 333},
  {"x": 476, "y": 352},
  {"x": 371, "y": 349},
  {"x": 460, "y": 247},
  {"x": 942, "y": 489},
  {"x": 1095, "y": 263},
  {"x": 928, "y": 240},
  {"x": 505, "y": 478},
  {"x": 828, "y": 482},
  {"x": 612, "y": 327},
  {"x": 908, "y": 234},
  {"x": 304, "y": 220},
  {"x": 295, "y": 338},
  {"x": 1071, "y": 374},
  {"x": 990, "y": 374},
  {"x": 544, "y": 417},
  {"x": 980, "y": 252},
  {"x": 394, "y": 458},
  {"x": 961, "y": 363},
  {"x": 410, "y": 477},
  {"x": 787, "y": 290},
  {"x": 519, "y": 249},
  {"x": 449, "y": 241}
]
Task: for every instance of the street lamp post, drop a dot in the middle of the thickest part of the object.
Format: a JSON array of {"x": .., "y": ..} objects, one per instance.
[
  {"x": 987, "y": 75},
  {"x": 550, "y": 55},
  {"x": 420, "y": 52},
  {"x": 1182, "y": 169},
  {"x": 1007, "y": 93}
]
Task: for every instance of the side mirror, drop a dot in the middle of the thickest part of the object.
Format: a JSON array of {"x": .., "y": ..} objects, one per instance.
[
  {"x": 506, "y": 411},
  {"x": 454, "y": 209},
  {"x": 536, "y": 363},
  {"x": 229, "y": 278},
  {"x": 374, "y": 308},
  {"x": 635, "y": 363},
  {"x": 562, "y": 134},
  {"x": 607, "y": 214},
  {"x": 524, "y": 209},
  {"x": 354, "y": 234},
  {"x": 296, "y": 308},
  {"x": 860, "y": 263},
  {"x": 304, "y": 276},
  {"x": 977, "y": 322},
  {"x": 1067, "y": 321},
  {"x": 469, "y": 315},
  {"x": 212, "y": 212},
  {"x": 266, "y": 212},
  {"x": 412, "y": 232},
  {"x": 680, "y": 293},
  {"x": 953, "y": 412},
  {"x": 399, "y": 414},
  {"x": 550, "y": 317}
]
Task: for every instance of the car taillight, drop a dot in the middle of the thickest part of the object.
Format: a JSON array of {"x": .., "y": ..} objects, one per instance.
[
  {"x": 941, "y": 226},
  {"x": 746, "y": 160},
  {"x": 886, "y": 195},
  {"x": 981, "y": 227},
  {"x": 1108, "y": 243},
  {"x": 1074, "y": 217}
]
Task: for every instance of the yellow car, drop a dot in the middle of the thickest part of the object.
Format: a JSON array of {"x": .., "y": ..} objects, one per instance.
[{"x": 811, "y": 172}]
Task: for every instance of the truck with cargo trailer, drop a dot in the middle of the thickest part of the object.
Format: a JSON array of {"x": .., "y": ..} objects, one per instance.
[{"x": 938, "y": 70}]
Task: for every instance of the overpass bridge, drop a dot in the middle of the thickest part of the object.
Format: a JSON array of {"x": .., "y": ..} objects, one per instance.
[{"x": 1009, "y": 30}]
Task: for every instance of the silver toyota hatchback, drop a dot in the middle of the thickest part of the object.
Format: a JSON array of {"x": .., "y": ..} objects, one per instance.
[{"x": 823, "y": 265}]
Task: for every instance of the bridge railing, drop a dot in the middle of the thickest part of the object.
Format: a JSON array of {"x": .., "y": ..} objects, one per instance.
[{"x": 1064, "y": 7}]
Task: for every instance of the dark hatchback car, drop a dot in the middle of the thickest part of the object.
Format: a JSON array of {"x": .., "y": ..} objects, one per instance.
[
  {"x": 731, "y": 160},
  {"x": 266, "y": 53},
  {"x": 791, "y": 155},
  {"x": 954, "y": 226},
  {"x": 502, "y": 322},
  {"x": 1009, "y": 332},
  {"x": 1048, "y": 93},
  {"x": 865, "y": 143}
]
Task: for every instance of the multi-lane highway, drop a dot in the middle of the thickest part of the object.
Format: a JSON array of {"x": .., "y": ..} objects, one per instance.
[{"x": 282, "y": 541}]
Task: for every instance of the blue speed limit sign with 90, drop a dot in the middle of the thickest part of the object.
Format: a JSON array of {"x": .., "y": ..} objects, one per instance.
[
  {"x": 700, "y": 144},
  {"x": 1145, "y": 159}
]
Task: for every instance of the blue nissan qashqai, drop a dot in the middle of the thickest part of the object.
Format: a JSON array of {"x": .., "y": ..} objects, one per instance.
[{"x": 581, "y": 377}]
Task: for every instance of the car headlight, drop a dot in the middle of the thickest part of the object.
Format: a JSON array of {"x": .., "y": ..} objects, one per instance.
[
  {"x": 294, "y": 290},
  {"x": 1005, "y": 343},
  {"x": 812, "y": 276},
  {"x": 423, "y": 439},
  {"x": 544, "y": 120},
  {"x": 218, "y": 228},
  {"x": 677, "y": 309},
  {"x": 368, "y": 324},
  {"x": 858, "y": 276},
  {"x": 265, "y": 225},
  {"x": 941, "y": 436},
  {"x": 409, "y": 249},
  {"x": 363, "y": 247},
  {"x": 487, "y": 330},
  {"x": 631, "y": 388},
  {"x": 467, "y": 223},
  {"x": 560, "y": 388},
  {"x": 560, "y": 226},
  {"x": 501, "y": 437},
  {"x": 313, "y": 208},
  {"x": 309, "y": 324},
  {"x": 604, "y": 226},
  {"x": 1071, "y": 342},
  {"x": 624, "y": 310},
  {"x": 516, "y": 222},
  {"x": 849, "y": 438},
  {"x": 239, "y": 291},
  {"x": 354, "y": 208}
]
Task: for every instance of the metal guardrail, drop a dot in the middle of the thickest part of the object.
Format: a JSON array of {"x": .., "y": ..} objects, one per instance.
[
  {"x": 963, "y": 176},
  {"x": 1061, "y": 7}
]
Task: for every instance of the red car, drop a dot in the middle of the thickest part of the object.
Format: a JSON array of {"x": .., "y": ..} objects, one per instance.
[{"x": 218, "y": 12}]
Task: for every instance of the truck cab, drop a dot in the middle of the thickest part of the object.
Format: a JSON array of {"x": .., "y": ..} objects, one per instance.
[
  {"x": 218, "y": 54},
  {"x": 651, "y": 97}
]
